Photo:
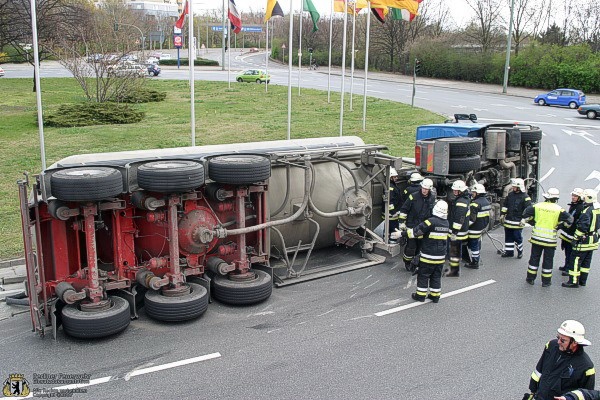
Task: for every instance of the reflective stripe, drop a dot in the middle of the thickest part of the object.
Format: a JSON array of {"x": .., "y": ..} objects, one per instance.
[
  {"x": 578, "y": 394},
  {"x": 427, "y": 222},
  {"x": 504, "y": 210},
  {"x": 483, "y": 214},
  {"x": 456, "y": 226},
  {"x": 536, "y": 375},
  {"x": 438, "y": 235},
  {"x": 590, "y": 372}
]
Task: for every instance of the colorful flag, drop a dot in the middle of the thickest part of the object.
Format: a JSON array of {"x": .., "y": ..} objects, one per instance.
[
  {"x": 402, "y": 14},
  {"x": 273, "y": 9},
  {"x": 181, "y": 20},
  {"x": 380, "y": 13},
  {"x": 307, "y": 5},
  {"x": 411, "y": 5},
  {"x": 234, "y": 17},
  {"x": 354, "y": 7}
]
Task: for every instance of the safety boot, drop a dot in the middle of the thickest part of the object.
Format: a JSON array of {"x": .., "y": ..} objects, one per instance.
[
  {"x": 416, "y": 297},
  {"x": 507, "y": 254},
  {"x": 570, "y": 285},
  {"x": 453, "y": 272},
  {"x": 473, "y": 265},
  {"x": 519, "y": 254},
  {"x": 530, "y": 281},
  {"x": 434, "y": 299}
]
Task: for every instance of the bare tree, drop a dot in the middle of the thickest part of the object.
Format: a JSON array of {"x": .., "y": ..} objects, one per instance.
[
  {"x": 485, "y": 29},
  {"x": 587, "y": 25},
  {"x": 528, "y": 17}
]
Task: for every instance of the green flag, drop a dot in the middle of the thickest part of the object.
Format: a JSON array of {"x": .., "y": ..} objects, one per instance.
[{"x": 307, "y": 5}]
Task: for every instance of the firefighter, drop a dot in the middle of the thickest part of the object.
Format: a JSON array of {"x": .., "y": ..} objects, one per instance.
[
  {"x": 564, "y": 365},
  {"x": 547, "y": 215},
  {"x": 434, "y": 235},
  {"x": 566, "y": 233},
  {"x": 416, "y": 209},
  {"x": 510, "y": 216},
  {"x": 585, "y": 241},
  {"x": 580, "y": 394},
  {"x": 479, "y": 221},
  {"x": 395, "y": 201},
  {"x": 414, "y": 185},
  {"x": 459, "y": 225}
]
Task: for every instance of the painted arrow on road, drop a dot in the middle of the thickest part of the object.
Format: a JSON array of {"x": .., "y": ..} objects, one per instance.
[
  {"x": 594, "y": 175},
  {"x": 582, "y": 134}
]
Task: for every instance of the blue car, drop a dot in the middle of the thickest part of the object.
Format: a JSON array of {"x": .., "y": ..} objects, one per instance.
[{"x": 561, "y": 97}]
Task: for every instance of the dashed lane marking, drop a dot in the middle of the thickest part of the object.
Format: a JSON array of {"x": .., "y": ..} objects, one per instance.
[
  {"x": 547, "y": 174},
  {"x": 443, "y": 296},
  {"x": 556, "y": 150}
]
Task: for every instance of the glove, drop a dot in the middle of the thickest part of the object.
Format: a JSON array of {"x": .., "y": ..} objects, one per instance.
[
  {"x": 502, "y": 219},
  {"x": 397, "y": 234},
  {"x": 402, "y": 226},
  {"x": 523, "y": 222},
  {"x": 453, "y": 237},
  {"x": 527, "y": 396},
  {"x": 396, "y": 215}
]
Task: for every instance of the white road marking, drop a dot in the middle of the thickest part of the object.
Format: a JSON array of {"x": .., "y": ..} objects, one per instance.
[
  {"x": 582, "y": 134},
  {"x": 499, "y": 105},
  {"x": 545, "y": 115},
  {"x": 594, "y": 175},
  {"x": 443, "y": 296},
  {"x": 570, "y": 119},
  {"x": 556, "y": 150},
  {"x": 547, "y": 174},
  {"x": 480, "y": 109},
  {"x": 538, "y": 122},
  {"x": 258, "y": 314},
  {"x": 522, "y": 108},
  {"x": 459, "y": 106}
]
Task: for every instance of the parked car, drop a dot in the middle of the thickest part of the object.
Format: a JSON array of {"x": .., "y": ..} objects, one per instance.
[
  {"x": 127, "y": 70},
  {"x": 1, "y": 72},
  {"x": 129, "y": 58},
  {"x": 152, "y": 60},
  {"x": 253, "y": 49},
  {"x": 165, "y": 56},
  {"x": 94, "y": 58},
  {"x": 153, "y": 69},
  {"x": 254, "y": 75},
  {"x": 561, "y": 97},
  {"x": 591, "y": 110}
]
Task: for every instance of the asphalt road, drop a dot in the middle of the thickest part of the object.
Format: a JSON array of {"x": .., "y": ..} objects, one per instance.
[{"x": 348, "y": 336}]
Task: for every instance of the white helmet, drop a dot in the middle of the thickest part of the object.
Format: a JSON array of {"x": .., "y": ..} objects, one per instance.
[
  {"x": 479, "y": 188},
  {"x": 441, "y": 209},
  {"x": 590, "y": 196},
  {"x": 520, "y": 183},
  {"x": 551, "y": 194},
  {"x": 393, "y": 172},
  {"x": 415, "y": 177},
  {"x": 459, "y": 185},
  {"x": 575, "y": 330},
  {"x": 577, "y": 192},
  {"x": 427, "y": 184}
]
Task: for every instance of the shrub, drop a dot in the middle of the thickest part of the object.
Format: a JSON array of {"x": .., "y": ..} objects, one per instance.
[
  {"x": 72, "y": 115},
  {"x": 141, "y": 95},
  {"x": 184, "y": 61}
]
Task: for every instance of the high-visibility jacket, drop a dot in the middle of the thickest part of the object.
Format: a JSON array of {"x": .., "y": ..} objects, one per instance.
[
  {"x": 547, "y": 216},
  {"x": 583, "y": 394},
  {"x": 416, "y": 209},
  {"x": 514, "y": 205},
  {"x": 558, "y": 372},
  {"x": 434, "y": 234},
  {"x": 410, "y": 189},
  {"x": 586, "y": 231},
  {"x": 566, "y": 232},
  {"x": 480, "y": 216},
  {"x": 458, "y": 215}
]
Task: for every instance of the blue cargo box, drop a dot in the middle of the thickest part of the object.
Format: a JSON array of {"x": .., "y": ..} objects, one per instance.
[{"x": 435, "y": 131}]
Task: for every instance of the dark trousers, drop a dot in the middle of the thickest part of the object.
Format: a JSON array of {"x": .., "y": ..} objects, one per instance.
[
  {"x": 393, "y": 225},
  {"x": 579, "y": 266},
  {"x": 411, "y": 249},
  {"x": 568, "y": 248},
  {"x": 454, "y": 253},
  {"x": 513, "y": 237},
  {"x": 474, "y": 245},
  {"x": 429, "y": 277},
  {"x": 547, "y": 262}
]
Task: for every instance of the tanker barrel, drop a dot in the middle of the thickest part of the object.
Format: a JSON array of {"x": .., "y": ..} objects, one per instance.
[{"x": 354, "y": 177}]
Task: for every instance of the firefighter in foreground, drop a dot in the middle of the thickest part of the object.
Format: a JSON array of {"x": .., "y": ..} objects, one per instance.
[
  {"x": 566, "y": 233},
  {"x": 564, "y": 366},
  {"x": 458, "y": 219},
  {"x": 585, "y": 241},
  {"x": 510, "y": 216},
  {"x": 434, "y": 234},
  {"x": 547, "y": 216},
  {"x": 580, "y": 394},
  {"x": 479, "y": 221},
  {"x": 416, "y": 209}
]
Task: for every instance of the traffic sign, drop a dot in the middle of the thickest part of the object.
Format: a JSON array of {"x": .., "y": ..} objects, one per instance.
[{"x": 178, "y": 41}]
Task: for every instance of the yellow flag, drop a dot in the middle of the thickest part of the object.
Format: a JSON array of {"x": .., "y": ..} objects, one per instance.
[
  {"x": 273, "y": 9},
  {"x": 411, "y": 5},
  {"x": 353, "y": 6}
]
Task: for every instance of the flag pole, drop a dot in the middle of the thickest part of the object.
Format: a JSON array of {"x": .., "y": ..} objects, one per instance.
[
  {"x": 366, "y": 68},
  {"x": 352, "y": 58},
  {"x": 267, "y": 57},
  {"x": 299, "y": 46},
  {"x": 223, "y": 39},
  {"x": 191, "y": 69},
  {"x": 38, "y": 88},
  {"x": 329, "y": 69},
  {"x": 344, "y": 40},
  {"x": 289, "y": 127},
  {"x": 228, "y": 57}
]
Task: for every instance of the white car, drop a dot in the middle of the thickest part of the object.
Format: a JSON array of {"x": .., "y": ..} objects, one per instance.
[
  {"x": 127, "y": 70},
  {"x": 152, "y": 60}
]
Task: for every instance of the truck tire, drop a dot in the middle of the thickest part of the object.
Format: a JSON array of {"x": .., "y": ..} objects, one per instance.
[
  {"x": 464, "y": 164},
  {"x": 97, "y": 324},
  {"x": 86, "y": 183},
  {"x": 239, "y": 169},
  {"x": 533, "y": 135},
  {"x": 170, "y": 176},
  {"x": 243, "y": 292},
  {"x": 177, "y": 308},
  {"x": 463, "y": 146}
]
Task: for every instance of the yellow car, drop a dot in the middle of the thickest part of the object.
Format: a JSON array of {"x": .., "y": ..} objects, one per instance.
[{"x": 254, "y": 75}]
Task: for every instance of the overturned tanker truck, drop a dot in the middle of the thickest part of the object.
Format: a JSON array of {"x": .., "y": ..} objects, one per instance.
[{"x": 169, "y": 229}]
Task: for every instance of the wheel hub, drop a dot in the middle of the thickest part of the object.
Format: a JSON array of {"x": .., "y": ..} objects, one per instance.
[
  {"x": 102, "y": 305},
  {"x": 248, "y": 276},
  {"x": 176, "y": 291}
]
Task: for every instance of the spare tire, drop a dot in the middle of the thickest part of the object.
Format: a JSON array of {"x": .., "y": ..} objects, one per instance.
[
  {"x": 463, "y": 146},
  {"x": 86, "y": 184},
  {"x": 170, "y": 176},
  {"x": 239, "y": 169},
  {"x": 531, "y": 135},
  {"x": 464, "y": 164}
]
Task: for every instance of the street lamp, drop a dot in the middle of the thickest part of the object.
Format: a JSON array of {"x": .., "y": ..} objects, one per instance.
[
  {"x": 283, "y": 56},
  {"x": 133, "y": 26},
  {"x": 508, "y": 45}
]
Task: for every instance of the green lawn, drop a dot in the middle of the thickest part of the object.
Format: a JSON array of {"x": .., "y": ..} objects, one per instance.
[{"x": 243, "y": 113}]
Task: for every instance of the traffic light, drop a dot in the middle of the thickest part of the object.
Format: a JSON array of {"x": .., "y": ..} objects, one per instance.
[
  {"x": 310, "y": 50},
  {"x": 417, "y": 65}
]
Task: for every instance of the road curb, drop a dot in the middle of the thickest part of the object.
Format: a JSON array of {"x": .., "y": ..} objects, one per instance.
[{"x": 11, "y": 263}]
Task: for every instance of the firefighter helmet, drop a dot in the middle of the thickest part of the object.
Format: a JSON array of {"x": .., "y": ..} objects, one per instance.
[
  {"x": 479, "y": 188},
  {"x": 459, "y": 185},
  {"x": 520, "y": 183},
  {"x": 415, "y": 177},
  {"x": 577, "y": 192},
  {"x": 590, "y": 196},
  {"x": 427, "y": 184},
  {"x": 440, "y": 209},
  {"x": 551, "y": 194},
  {"x": 393, "y": 172},
  {"x": 575, "y": 330}
]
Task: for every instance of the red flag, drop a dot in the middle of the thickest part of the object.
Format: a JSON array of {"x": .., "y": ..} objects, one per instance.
[
  {"x": 380, "y": 14},
  {"x": 181, "y": 20},
  {"x": 234, "y": 17}
]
